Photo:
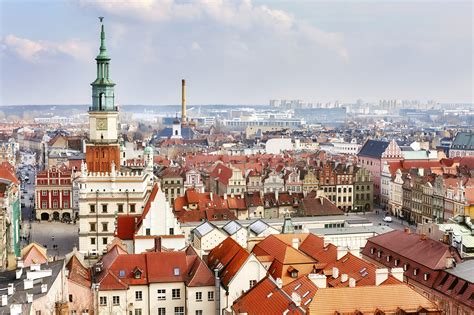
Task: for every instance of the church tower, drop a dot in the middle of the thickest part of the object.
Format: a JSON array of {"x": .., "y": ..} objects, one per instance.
[{"x": 103, "y": 147}]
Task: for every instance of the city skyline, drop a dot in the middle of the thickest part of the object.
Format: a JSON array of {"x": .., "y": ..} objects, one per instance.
[{"x": 238, "y": 52}]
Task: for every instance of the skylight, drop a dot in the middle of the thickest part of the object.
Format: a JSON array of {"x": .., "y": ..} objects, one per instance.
[
  {"x": 176, "y": 271},
  {"x": 122, "y": 274}
]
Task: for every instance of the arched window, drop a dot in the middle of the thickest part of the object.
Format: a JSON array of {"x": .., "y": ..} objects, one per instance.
[{"x": 101, "y": 101}]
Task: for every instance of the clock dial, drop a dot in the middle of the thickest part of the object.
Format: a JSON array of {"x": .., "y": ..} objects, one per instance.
[{"x": 101, "y": 123}]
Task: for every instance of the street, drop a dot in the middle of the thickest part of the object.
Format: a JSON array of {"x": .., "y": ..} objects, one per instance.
[
  {"x": 377, "y": 219},
  {"x": 59, "y": 238}
]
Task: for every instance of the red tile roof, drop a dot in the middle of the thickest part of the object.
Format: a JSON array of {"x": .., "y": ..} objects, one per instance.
[
  {"x": 425, "y": 251},
  {"x": 228, "y": 257},
  {"x": 126, "y": 226},
  {"x": 318, "y": 206},
  {"x": 78, "y": 273},
  {"x": 265, "y": 298}
]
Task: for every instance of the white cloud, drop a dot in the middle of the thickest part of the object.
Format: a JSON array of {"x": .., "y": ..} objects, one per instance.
[
  {"x": 238, "y": 14},
  {"x": 38, "y": 51}
]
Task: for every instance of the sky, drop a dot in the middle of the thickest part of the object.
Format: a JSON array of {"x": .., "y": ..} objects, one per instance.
[{"x": 238, "y": 51}]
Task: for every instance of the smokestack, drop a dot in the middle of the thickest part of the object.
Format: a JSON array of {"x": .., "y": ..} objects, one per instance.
[{"x": 183, "y": 102}]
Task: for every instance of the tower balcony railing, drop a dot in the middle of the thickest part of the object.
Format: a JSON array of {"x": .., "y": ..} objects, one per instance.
[
  {"x": 103, "y": 141},
  {"x": 113, "y": 109}
]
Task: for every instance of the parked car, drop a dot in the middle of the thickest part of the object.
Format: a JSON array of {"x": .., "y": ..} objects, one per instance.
[{"x": 387, "y": 219}]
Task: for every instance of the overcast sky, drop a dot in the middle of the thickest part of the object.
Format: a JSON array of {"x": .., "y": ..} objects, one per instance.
[{"x": 238, "y": 52}]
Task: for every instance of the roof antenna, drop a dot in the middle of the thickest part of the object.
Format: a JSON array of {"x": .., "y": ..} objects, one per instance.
[{"x": 101, "y": 18}]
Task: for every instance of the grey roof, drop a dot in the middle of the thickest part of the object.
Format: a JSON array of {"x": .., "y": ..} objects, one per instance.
[
  {"x": 232, "y": 227},
  {"x": 464, "y": 270},
  {"x": 258, "y": 227},
  {"x": 186, "y": 133},
  {"x": 19, "y": 295},
  {"x": 373, "y": 148},
  {"x": 374, "y": 230},
  {"x": 204, "y": 228},
  {"x": 463, "y": 141}
]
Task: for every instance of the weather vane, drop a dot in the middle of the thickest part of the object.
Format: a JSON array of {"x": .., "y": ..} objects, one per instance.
[{"x": 101, "y": 18}]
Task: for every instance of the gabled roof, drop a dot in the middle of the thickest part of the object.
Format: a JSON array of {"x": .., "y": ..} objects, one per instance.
[
  {"x": 463, "y": 141},
  {"x": 266, "y": 298},
  {"x": 232, "y": 227},
  {"x": 369, "y": 299},
  {"x": 204, "y": 228},
  {"x": 78, "y": 273},
  {"x": 126, "y": 226},
  {"x": 373, "y": 148},
  {"x": 318, "y": 206},
  {"x": 228, "y": 257},
  {"x": 419, "y": 249},
  {"x": 147, "y": 207}
]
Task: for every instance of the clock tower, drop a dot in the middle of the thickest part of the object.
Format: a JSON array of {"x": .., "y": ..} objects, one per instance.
[{"x": 103, "y": 148}]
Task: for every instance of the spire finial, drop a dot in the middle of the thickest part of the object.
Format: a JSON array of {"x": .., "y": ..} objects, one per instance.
[{"x": 103, "y": 50}]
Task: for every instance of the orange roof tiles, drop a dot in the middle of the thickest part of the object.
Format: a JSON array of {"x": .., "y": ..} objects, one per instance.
[
  {"x": 265, "y": 298},
  {"x": 369, "y": 299}
]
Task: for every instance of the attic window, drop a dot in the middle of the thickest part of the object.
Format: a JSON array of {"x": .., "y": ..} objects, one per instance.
[
  {"x": 293, "y": 272},
  {"x": 137, "y": 273},
  {"x": 397, "y": 261},
  {"x": 379, "y": 254},
  {"x": 122, "y": 274},
  {"x": 426, "y": 276},
  {"x": 372, "y": 250},
  {"x": 415, "y": 271},
  {"x": 405, "y": 267},
  {"x": 388, "y": 258}
]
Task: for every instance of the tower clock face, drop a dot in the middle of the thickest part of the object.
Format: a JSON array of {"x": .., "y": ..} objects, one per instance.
[{"x": 101, "y": 123}]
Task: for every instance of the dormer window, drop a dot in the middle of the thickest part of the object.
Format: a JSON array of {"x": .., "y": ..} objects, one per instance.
[
  {"x": 293, "y": 272},
  {"x": 426, "y": 276},
  {"x": 137, "y": 273},
  {"x": 415, "y": 271},
  {"x": 372, "y": 250},
  {"x": 176, "y": 271},
  {"x": 405, "y": 267},
  {"x": 379, "y": 254},
  {"x": 388, "y": 258},
  {"x": 397, "y": 261}
]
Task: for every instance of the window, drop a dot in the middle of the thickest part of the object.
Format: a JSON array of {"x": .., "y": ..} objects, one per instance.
[
  {"x": 116, "y": 300},
  {"x": 55, "y": 204},
  {"x": 198, "y": 296},
  {"x": 92, "y": 208},
  {"x": 138, "y": 296},
  {"x": 132, "y": 207},
  {"x": 103, "y": 301},
  {"x": 44, "y": 193},
  {"x": 198, "y": 312},
  {"x": 66, "y": 193},
  {"x": 92, "y": 227},
  {"x": 147, "y": 231},
  {"x": 104, "y": 226},
  {"x": 104, "y": 208},
  {"x": 161, "y": 311},
  {"x": 55, "y": 192},
  {"x": 104, "y": 240},
  {"x": 120, "y": 208},
  {"x": 179, "y": 310},
  {"x": 73, "y": 312},
  {"x": 70, "y": 297},
  {"x": 138, "y": 311},
  {"x": 161, "y": 294},
  {"x": 210, "y": 296},
  {"x": 92, "y": 240},
  {"x": 176, "y": 294},
  {"x": 44, "y": 204},
  {"x": 65, "y": 204},
  {"x": 252, "y": 283}
]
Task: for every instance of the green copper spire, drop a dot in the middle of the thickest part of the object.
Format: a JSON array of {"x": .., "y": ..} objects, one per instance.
[
  {"x": 103, "y": 86},
  {"x": 102, "y": 50}
]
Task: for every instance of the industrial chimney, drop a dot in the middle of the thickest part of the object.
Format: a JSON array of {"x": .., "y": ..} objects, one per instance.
[{"x": 183, "y": 102}]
